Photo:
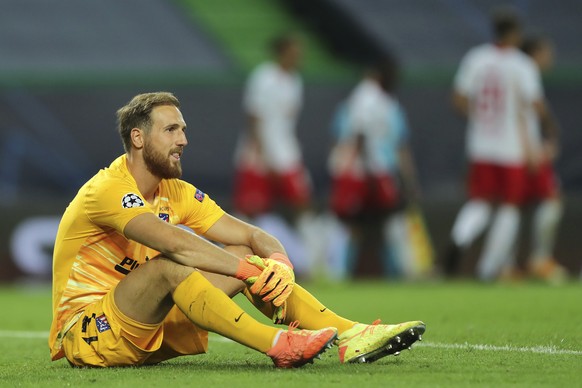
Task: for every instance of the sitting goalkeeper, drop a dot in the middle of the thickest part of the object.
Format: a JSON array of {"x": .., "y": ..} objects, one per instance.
[{"x": 131, "y": 288}]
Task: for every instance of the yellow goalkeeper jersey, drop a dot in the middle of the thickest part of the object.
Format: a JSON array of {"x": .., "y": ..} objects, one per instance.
[{"x": 92, "y": 254}]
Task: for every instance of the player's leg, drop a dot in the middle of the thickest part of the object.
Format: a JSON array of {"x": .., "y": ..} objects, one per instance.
[
  {"x": 545, "y": 222},
  {"x": 389, "y": 205},
  {"x": 547, "y": 215},
  {"x": 357, "y": 342},
  {"x": 347, "y": 199},
  {"x": 500, "y": 242},
  {"x": 301, "y": 306},
  {"x": 473, "y": 217},
  {"x": 148, "y": 293},
  {"x": 471, "y": 222},
  {"x": 295, "y": 189}
]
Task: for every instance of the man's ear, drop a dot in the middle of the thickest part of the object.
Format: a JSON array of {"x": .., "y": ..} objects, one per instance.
[{"x": 137, "y": 138}]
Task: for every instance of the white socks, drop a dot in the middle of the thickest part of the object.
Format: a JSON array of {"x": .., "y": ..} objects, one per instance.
[
  {"x": 499, "y": 242},
  {"x": 471, "y": 222},
  {"x": 544, "y": 227}
]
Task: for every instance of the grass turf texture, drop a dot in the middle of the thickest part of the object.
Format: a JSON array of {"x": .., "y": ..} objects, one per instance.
[{"x": 532, "y": 319}]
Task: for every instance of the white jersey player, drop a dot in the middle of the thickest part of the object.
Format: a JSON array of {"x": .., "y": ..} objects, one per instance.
[
  {"x": 268, "y": 158},
  {"x": 543, "y": 187},
  {"x": 269, "y": 164},
  {"x": 495, "y": 88}
]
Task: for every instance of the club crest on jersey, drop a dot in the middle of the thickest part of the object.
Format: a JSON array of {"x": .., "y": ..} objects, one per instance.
[
  {"x": 199, "y": 195},
  {"x": 131, "y": 200},
  {"x": 164, "y": 217},
  {"x": 102, "y": 323}
]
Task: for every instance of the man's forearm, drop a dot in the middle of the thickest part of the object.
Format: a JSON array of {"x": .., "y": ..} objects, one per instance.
[
  {"x": 201, "y": 254},
  {"x": 263, "y": 244}
]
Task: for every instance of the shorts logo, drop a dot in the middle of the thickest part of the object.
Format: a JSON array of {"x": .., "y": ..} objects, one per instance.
[
  {"x": 164, "y": 217},
  {"x": 102, "y": 324},
  {"x": 199, "y": 195},
  {"x": 131, "y": 200}
]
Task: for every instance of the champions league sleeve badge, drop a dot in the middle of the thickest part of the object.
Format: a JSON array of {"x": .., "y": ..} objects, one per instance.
[{"x": 131, "y": 200}]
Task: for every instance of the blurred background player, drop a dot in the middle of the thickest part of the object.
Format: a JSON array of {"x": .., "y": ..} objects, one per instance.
[
  {"x": 543, "y": 189},
  {"x": 269, "y": 165},
  {"x": 495, "y": 87},
  {"x": 373, "y": 173}
]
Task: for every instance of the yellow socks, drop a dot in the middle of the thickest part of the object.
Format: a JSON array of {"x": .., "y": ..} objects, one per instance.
[
  {"x": 305, "y": 308},
  {"x": 212, "y": 310}
]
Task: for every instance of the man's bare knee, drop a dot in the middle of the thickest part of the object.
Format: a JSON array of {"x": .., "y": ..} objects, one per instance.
[{"x": 145, "y": 293}]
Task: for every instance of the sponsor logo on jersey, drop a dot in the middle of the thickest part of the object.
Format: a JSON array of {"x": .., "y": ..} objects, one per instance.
[
  {"x": 127, "y": 265},
  {"x": 131, "y": 200},
  {"x": 199, "y": 195},
  {"x": 164, "y": 217},
  {"x": 102, "y": 323}
]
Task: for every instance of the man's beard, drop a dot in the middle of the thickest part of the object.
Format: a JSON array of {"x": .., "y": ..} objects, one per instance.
[{"x": 160, "y": 165}]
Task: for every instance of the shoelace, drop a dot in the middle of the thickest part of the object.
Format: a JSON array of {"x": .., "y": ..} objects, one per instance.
[
  {"x": 371, "y": 327},
  {"x": 293, "y": 325}
]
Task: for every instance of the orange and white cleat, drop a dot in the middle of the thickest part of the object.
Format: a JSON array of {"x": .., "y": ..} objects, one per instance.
[
  {"x": 368, "y": 343},
  {"x": 297, "y": 348}
]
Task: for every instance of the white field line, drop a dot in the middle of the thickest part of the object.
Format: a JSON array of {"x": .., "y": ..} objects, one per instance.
[
  {"x": 424, "y": 344},
  {"x": 506, "y": 348}
]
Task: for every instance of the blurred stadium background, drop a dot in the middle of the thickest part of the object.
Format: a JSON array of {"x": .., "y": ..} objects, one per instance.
[{"x": 66, "y": 66}]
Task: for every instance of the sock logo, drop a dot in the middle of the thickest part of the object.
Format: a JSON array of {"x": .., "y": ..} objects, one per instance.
[
  {"x": 323, "y": 309},
  {"x": 237, "y": 319}
]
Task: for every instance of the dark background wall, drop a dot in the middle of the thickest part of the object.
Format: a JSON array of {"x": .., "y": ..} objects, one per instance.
[{"x": 61, "y": 81}]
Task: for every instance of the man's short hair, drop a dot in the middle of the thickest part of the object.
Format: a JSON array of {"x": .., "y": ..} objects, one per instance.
[
  {"x": 387, "y": 71},
  {"x": 282, "y": 42},
  {"x": 505, "y": 22},
  {"x": 136, "y": 113}
]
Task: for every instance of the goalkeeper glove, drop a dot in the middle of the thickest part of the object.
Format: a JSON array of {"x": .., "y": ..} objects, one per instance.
[{"x": 274, "y": 283}]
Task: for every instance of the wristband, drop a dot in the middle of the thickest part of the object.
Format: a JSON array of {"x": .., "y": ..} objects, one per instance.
[
  {"x": 281, "y": 258},
  {"x": 246, "y": 270}
]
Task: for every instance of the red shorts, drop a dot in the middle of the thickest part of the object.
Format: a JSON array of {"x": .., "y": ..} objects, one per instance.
[
  {"x": 510, "y": 184},
  {"x": 257, "y": 191},
  {"x": 352, "y": 195},
  {"x": 542, "y": 184}
]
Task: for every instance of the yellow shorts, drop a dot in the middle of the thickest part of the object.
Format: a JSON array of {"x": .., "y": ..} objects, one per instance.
[{"x": 103, "y": 337}]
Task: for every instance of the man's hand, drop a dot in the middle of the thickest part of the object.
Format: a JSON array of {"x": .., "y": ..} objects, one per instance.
[
  {"x": 275, "y": 283},
  {"x": 270, "y": 279}
]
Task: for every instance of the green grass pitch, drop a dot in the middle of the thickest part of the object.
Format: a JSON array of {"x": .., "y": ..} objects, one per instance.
[{"x": 477, "y": 335}]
